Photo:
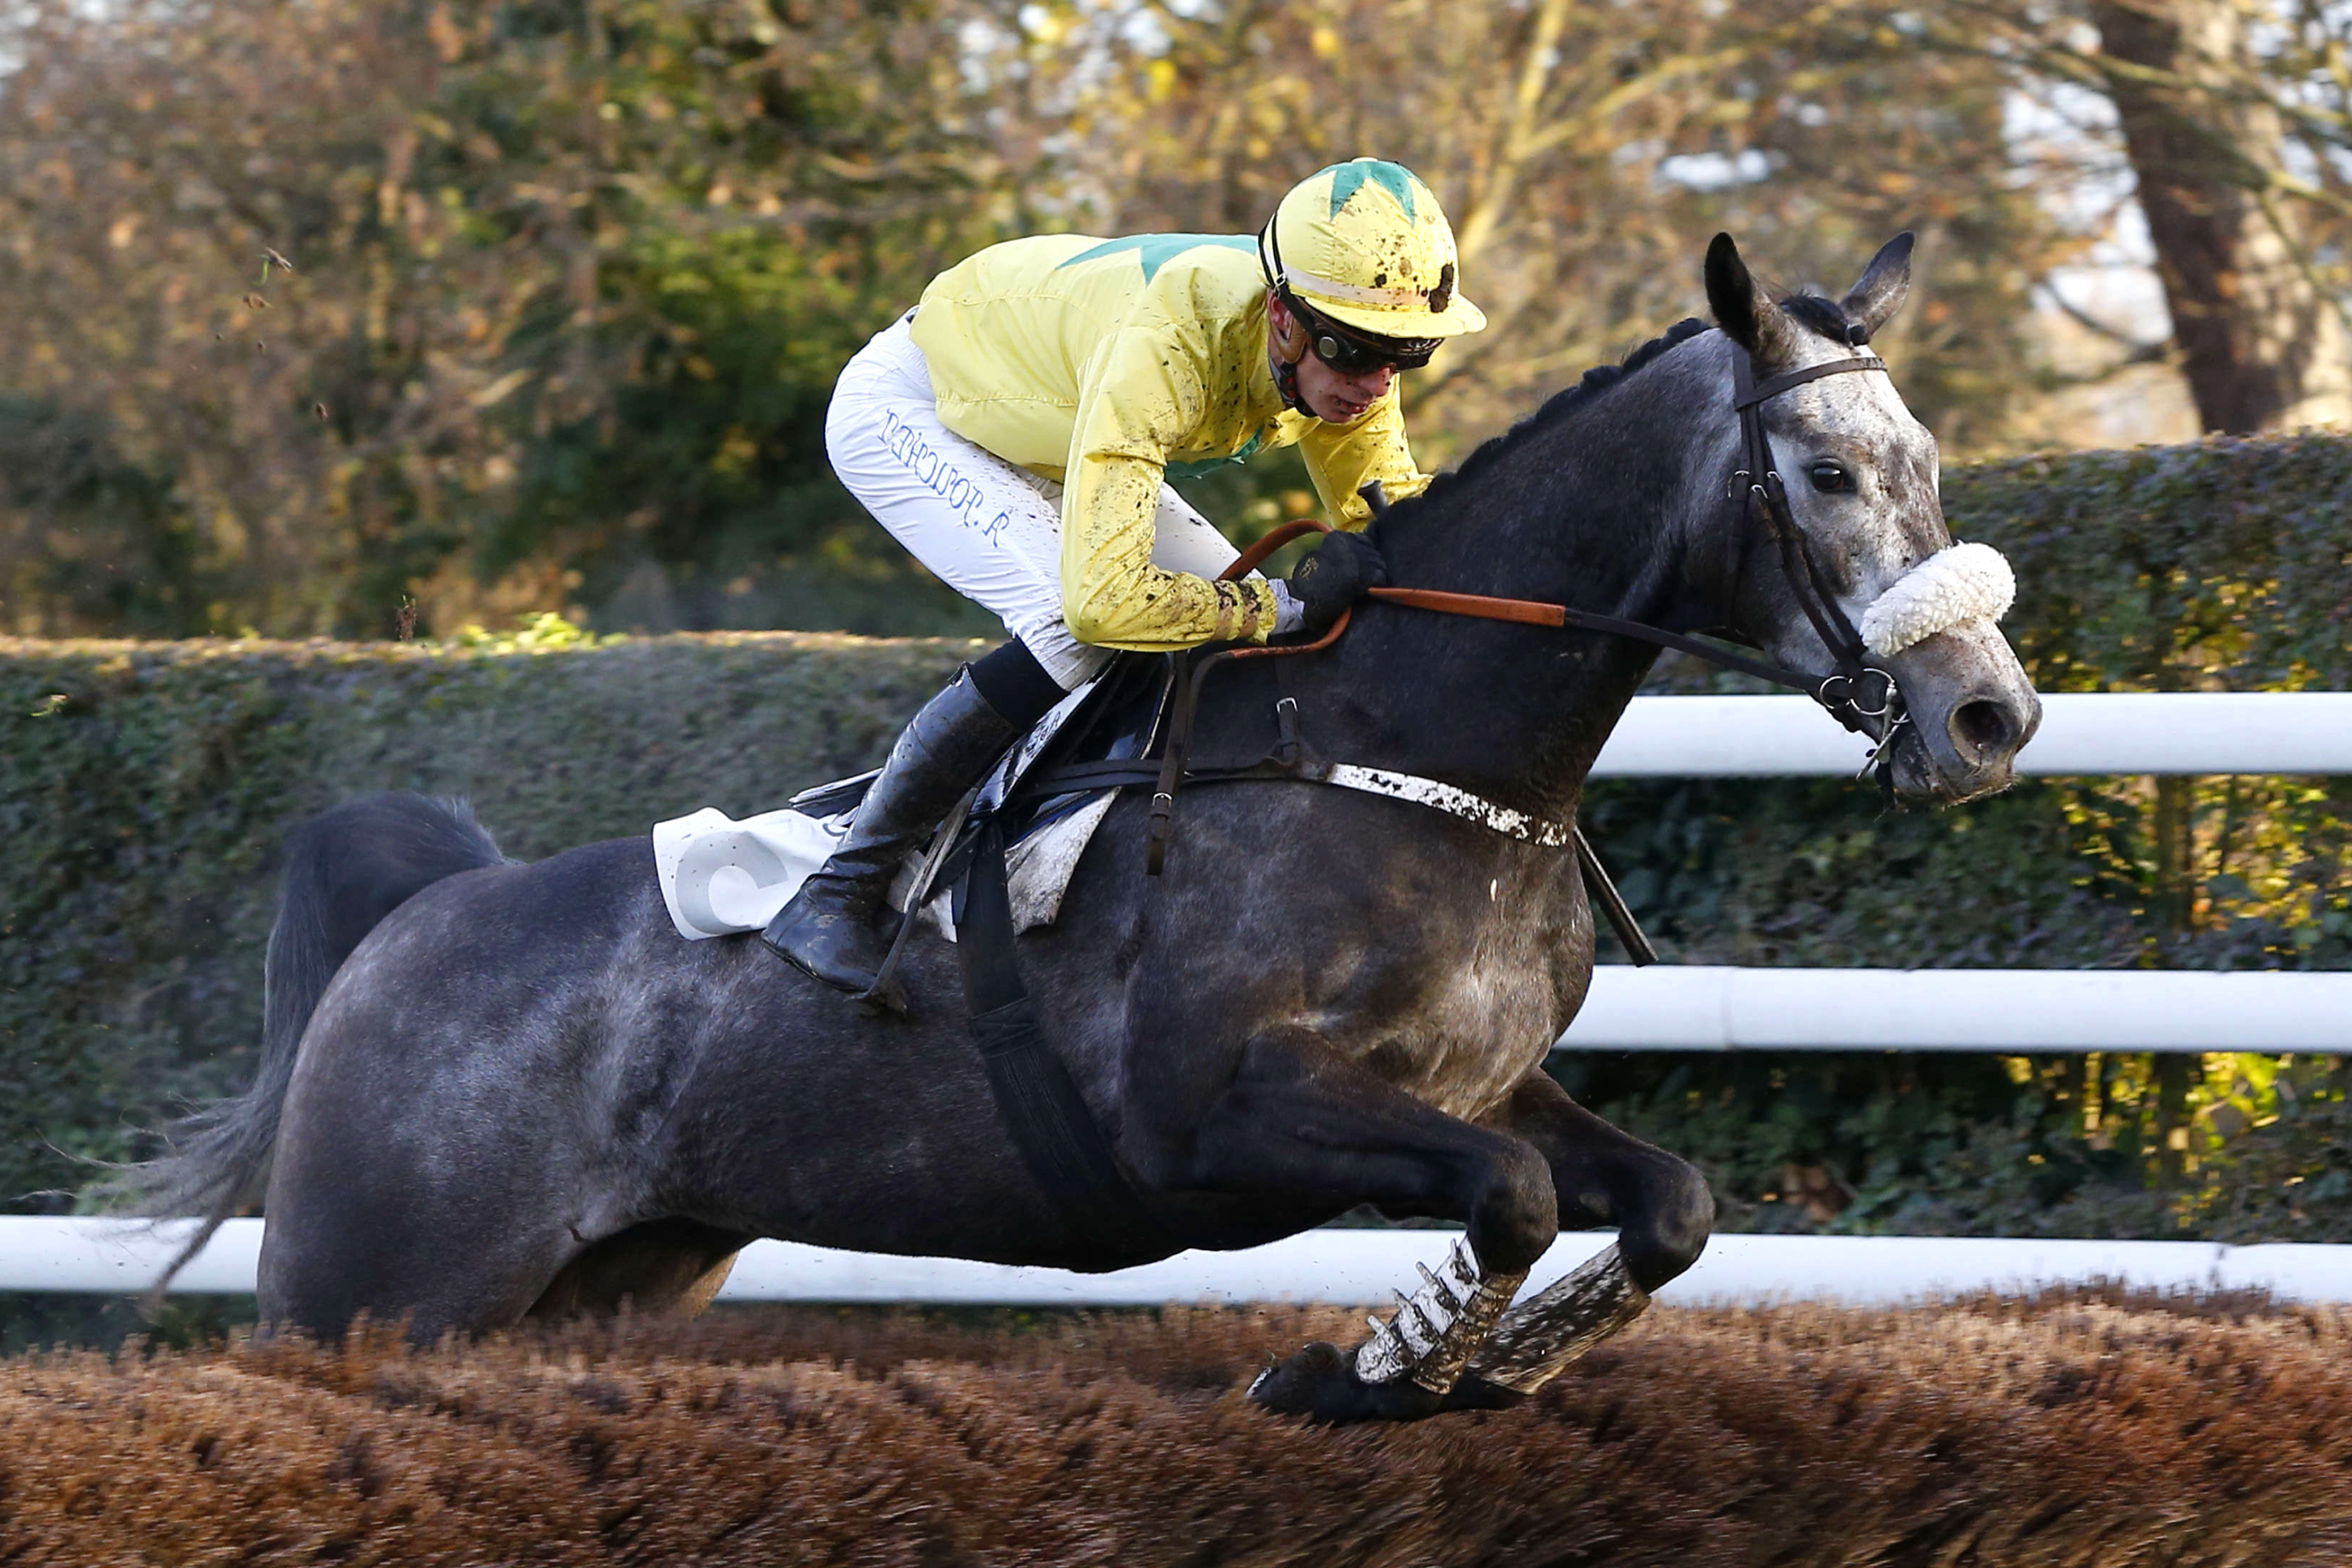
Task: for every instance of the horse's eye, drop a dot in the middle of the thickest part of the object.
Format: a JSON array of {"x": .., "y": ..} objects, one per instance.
[{"x": 1829, "y": 478}]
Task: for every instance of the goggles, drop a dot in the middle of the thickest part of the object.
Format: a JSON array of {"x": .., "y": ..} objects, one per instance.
[{"x": 1358, "y": 353}]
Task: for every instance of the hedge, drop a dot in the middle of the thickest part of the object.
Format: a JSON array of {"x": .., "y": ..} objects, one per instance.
[
  {"x": 2219, "y": 565},
  {"x": 144, "y": 787}
]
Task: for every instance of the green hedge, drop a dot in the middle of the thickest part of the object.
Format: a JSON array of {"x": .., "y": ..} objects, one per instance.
[
  {"x": 144, "y": 787},
  {"x": 2221, "y": 565}
]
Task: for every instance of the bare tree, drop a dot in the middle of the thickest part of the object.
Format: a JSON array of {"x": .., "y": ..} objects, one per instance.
[
  {"x": 2261, "y": 336},
  {"x": 1585, "y": 155}
]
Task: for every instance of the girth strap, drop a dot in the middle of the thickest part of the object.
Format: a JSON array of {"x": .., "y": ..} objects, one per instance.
[
  {"x": 1079, "y": 777},
  {"x": 1058, "y": 1137},
  {"x": 1454, "y": 802},
  {"x": 1435, "y": 794}
]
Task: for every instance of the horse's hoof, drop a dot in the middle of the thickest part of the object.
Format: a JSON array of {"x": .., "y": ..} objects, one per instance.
[
  {"x": 1475, "y": 1393},
  {"x": 1320, "y": 1383}
]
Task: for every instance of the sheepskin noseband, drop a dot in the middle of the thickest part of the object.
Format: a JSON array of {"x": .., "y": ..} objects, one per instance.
[{"x": 1951, "y": 588}]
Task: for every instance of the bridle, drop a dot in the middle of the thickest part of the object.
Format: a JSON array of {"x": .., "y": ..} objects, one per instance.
[
  {"x": 1854, "y": 692},
  {"x": 1765, "y": 497}
]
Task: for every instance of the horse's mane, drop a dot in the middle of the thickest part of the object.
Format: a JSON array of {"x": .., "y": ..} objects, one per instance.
[
  {"x": 1563, "y": 404},
  {"x": 1826, "y": 317}
]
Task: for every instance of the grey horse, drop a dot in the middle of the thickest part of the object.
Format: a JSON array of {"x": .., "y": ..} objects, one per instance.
[{"x": 492, "y": 1090}]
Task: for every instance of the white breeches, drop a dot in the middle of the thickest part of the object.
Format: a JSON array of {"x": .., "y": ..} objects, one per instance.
[{"x": 988, "y": 528}]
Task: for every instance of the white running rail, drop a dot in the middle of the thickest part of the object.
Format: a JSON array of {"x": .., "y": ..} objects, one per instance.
[
  {"x": 1696, "y": 1008},
  {"x": 2081, "y": 734},
  {"x": 1706, "y": 1007},
  {"x": 1351, "y": 1266}
]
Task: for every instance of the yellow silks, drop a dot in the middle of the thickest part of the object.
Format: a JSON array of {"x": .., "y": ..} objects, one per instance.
[{"x": 1103, "y": 363}]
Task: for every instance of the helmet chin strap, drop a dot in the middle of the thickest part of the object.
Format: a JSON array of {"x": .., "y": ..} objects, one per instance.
[{"x": 1284, "y": 350}]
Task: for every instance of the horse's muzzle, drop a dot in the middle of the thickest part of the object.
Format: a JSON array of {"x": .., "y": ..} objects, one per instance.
[{"x": 1971, "y": 710}]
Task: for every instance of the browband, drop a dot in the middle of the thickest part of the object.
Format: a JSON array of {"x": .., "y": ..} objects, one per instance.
[{"x": 1764, "y": 390}]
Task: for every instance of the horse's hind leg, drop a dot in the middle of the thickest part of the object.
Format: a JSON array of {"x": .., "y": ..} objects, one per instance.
[
  {"x": 437, "y": 1266},
  {"x": 1299, "y": 1120},
  {"x": 405, "y": 1201},
  {"x": 672, "y": 1266},
  {"x": 1663, "y": 1211}
]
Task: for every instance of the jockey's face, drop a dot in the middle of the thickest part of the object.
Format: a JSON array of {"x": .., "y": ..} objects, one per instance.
[
  {"x": 1342, "y": 399},
  {"x": 1327, "y": 394}
]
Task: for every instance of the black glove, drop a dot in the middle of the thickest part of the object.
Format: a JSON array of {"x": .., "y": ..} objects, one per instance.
[{"x": 1335, "y": 578}]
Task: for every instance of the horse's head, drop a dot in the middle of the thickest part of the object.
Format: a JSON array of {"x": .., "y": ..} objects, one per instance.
[{"x": 1860, "y": 477}]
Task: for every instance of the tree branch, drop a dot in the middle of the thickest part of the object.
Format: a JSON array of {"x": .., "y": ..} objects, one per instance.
[
  {"x": 1535, "y": 70},
  {"x": 2091, "y": 323}
]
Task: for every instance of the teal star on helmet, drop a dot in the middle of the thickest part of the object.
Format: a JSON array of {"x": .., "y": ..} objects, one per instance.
[
  {"x": 1157, "y": 250},
  {"x": 1346, "y": 179},
  {"x": 1365, "y": 244}
]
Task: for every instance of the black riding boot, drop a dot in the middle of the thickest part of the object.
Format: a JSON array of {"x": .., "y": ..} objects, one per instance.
[{"x": 831, "y": 928}]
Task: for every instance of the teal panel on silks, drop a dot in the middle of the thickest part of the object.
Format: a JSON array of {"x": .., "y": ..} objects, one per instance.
[
  {"x": 1195, "y": 469},
  {"x": 1157, "y": 250}
]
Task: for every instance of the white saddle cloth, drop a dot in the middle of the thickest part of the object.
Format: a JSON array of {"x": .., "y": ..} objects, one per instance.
[{"x": 719, "y": 876}]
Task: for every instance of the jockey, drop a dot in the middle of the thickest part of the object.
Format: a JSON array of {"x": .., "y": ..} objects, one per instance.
[{"x": 1016, "y": 431}]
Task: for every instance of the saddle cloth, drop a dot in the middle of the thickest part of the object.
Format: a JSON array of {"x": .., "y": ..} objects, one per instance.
[{"x": 719, "y": 876}]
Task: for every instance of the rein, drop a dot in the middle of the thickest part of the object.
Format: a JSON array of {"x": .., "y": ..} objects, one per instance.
[
  {"x": 1767, "y": 503},
  {"x": 1765, "y": 499}
]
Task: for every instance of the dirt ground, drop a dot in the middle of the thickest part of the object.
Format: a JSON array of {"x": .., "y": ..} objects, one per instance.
[{"x": 2079, "y": 1430}]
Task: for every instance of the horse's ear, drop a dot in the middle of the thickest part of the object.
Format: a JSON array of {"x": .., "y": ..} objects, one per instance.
[
  {"x": 1873, "y": 303},
  {"x": 1747, "y": 315}
]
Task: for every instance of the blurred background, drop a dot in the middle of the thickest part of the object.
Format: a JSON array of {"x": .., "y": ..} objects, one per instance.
[
  {"x": 366, "y": 318},
  {"x": 391, "y": 321}
]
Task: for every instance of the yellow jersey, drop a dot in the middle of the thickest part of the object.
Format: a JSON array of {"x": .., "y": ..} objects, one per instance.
[{"x": 1106, "y": 365}]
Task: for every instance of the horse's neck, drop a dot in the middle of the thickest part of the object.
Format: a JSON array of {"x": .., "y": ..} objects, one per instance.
[{"x": 1599, "y": 513}]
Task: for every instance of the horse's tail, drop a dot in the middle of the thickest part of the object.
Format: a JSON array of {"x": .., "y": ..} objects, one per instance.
[{"x": 346, "y": 870}]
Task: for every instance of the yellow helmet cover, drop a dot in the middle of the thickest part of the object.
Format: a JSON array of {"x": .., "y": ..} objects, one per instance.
[{"x": 1366, "y": 244}]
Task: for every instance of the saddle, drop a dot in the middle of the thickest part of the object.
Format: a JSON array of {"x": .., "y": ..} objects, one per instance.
[{"x": 720, "y": 877}]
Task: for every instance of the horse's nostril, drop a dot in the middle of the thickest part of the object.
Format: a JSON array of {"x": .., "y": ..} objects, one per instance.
[{"x": 1982, "y": 728}]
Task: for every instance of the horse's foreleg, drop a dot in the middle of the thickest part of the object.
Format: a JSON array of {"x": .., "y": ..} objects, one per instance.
[
  {"x": 1300, "y": 1119},
  {"x": 1659, "y": 1203}
]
